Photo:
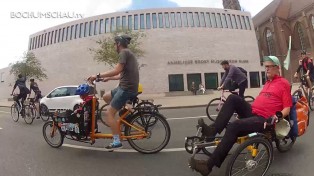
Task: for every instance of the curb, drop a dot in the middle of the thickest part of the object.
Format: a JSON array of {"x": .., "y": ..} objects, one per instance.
[{"x": 181, "y": 107}]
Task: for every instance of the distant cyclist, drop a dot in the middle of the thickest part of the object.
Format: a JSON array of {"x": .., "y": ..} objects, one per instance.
[
  {"x": 306, "y": 68},
  {"x": 38, "y": 96},
  {"x": 20, "y": 82},
  {"x": 233, "y": 78}
]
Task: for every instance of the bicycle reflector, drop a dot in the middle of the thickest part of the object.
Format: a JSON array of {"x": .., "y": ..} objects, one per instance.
[{"x": 282, "y": 128}]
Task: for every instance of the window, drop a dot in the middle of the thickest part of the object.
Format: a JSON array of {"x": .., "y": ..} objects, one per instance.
[
  {"x": 202, "y": 19},
  {"x": 36, "y": 42},
  {"x": 107, "y": 26},
  {"x": 270, "y": 43},
  {"x": 254, "y": 80},
  {"x": 142, "y": 23},
  {"x": 196, "y": 19},
  {"x": 81, "y": 30},
  {"x": 68, "y": 34},
  {"x": 86, "y": 29},
  {"x": 207, "y": 20},
  {"x": 229, "y": 21},
  {"x": 124, "y": 22},
  {"x": 101, "y": 26},
  {"x": 213, "y": 20},
  {"x": 118, "y": 23},
  {"x": 176, "y": 82},
  {"x": 185, "y": 19},
  {"x": 96, "y": 27},
  {"x": 239, "y": 22},
  {"x": 42, "y": 40},
  {"x": 179, "y": 22},
  {"x": 130, "y": 24},
  {"x": 48, "y": 38},
  {"x": 167, "y": 22},
  {"x": 263, "y": 77},
  {"x": 224, "y": 21},
  {"x": 160, "y": 19},
  {"x": 2, "y": 77},
  {"x": 233, "y": 22},
  {"x": 301, "y": 36},
  {"x": 148, "y": 23},
  {"x": 59, "y": 92},
  {"x": 194, "y": 77},
  {"x": 173, "y": 20},
  {"x": 247, "y": 23},
  {"x": 218, "y": 19},
  {"x": 190, "y": 19},
  {"x": 56, "y": 35},
  {"x": 30, "y": 44},
  {"x": 154, "y": 18},
  {"x": 211, "y": 80},
  {"x": 72, "y": 33},
  {"x": 77, "y": 31},
  {"x": 59, "y": 35},
  {"x": 243, "y": 22},
  {"x": 52, "y": 36},
  {"x": 135, "y": 22},
  {"x": 112, "y": 26},
  {"x": 63, "y": 35},
  {"x": 45, "y": 39}
]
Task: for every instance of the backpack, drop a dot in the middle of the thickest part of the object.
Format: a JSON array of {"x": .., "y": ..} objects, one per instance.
[{"x": 243, "y": 70}]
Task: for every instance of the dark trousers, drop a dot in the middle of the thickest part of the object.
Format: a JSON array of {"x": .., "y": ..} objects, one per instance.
[
  {"x": 242, "y": 88},
  {"x": 21, "y": 96},
  {"x": 248, "y": 123}
]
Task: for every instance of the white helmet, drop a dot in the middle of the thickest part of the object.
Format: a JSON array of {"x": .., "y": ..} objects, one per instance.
[{"x": 282, "y": 128}]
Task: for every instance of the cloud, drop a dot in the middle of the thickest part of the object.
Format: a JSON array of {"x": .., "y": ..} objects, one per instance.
[{"x": 254, "y": 6}]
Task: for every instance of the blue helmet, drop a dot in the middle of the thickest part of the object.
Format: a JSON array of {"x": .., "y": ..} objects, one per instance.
[{"x": 82, "y": 89}]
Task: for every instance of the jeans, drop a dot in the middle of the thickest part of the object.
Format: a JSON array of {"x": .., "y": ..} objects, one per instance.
[{"x": 248, "y": 123}]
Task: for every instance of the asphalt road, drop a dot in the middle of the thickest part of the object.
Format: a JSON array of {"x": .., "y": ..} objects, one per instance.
[{"x": 24, "y": 152}]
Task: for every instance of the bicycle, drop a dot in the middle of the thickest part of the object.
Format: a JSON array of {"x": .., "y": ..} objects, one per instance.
[
  {"x": 217, "y": 103},
  {"x": 138, "y": 127},
  {"x": 254, "y": 153},
  {"x": 31, "y": 112},
  {"x": 27, "y": 113},
  {"x": 308, "y": 95}
]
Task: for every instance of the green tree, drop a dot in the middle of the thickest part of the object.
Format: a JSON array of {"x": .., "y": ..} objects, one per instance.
[
  {"x": 30, "y": 66},
  {"x": 107, "y": 51}
]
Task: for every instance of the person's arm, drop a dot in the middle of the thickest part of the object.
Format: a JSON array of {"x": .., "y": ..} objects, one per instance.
[
  {"x": 14, "y": 87},
  {"x": 223, "y": 78},
  {"x": 112, "y": 73},
  {"x": 117, "y": 77}
]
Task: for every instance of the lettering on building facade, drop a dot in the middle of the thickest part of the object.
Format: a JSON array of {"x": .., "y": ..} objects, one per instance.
[{"x": 206, "y": 61}]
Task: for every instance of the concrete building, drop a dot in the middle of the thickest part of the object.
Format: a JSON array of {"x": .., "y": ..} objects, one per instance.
[
  {"x": 281, "y": 19},
  {"x": 181, "y": 45}
]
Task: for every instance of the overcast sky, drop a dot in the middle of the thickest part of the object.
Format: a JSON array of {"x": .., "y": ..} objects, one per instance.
[{"x": 15, "y": 30}]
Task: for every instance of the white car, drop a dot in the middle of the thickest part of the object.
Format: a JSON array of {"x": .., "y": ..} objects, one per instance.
[{"x": 62, "y": 97}]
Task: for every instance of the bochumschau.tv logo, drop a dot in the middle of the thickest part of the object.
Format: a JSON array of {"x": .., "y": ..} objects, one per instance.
[{"x": 46, "y": 15}]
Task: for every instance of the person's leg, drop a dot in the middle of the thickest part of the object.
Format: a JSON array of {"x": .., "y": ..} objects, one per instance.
[
  {"x": 234, "y": 130},
  {"x": 242, "y": 88}
]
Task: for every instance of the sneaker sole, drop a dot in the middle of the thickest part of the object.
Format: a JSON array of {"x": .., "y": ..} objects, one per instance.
[{"x": 111, "y": 150}]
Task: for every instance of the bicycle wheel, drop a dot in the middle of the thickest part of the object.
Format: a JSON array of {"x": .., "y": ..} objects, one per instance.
[
  {"x": 213, "y": 108},
  {"x": 15, "y": 113},
  {"x": 249, "y": 99},
  {"x": 30, "y": 114},
  {"x": 158, "y": 134},
  {"x": 101, "y": 114},
  {"x": 311, "y": 100},
  {"x": 242, "y": 161},
  {"x": 52, "y": 134},
  {"x": 44, "y": 112},
  {"x": 285, "y": 144}
]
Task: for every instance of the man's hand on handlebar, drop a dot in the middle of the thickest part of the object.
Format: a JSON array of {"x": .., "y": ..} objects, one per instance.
[{"x": 220, "y": 88}]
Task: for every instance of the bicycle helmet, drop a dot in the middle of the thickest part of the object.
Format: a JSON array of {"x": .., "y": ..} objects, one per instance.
[
  {"x": 123, "y": 39},
  {"x": 282, "y": 128},
  {"x": 82, "y": 89}
]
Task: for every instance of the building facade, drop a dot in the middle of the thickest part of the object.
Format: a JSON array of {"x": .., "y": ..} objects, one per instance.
[
  {"x": 181, "y": 45},
  {"x": 281, "y": 19}
]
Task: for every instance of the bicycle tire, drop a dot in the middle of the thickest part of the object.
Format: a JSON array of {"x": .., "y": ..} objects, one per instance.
[
  {"x": 60, "y": 142},
  {"x": 249, "y": 99},
  {"x": 256, "y": 141},
  {"x": 288, "y": 146},
  {"x": 101, "y": 113},
  {"x": 15, "y": 113},
  {"x": 137, "y": 118},
  {"x": 44, "y": 112},
  {"x": 311, "y": 100},
  {"x": 30, "y": 114},
  {"x": 214, "y": 103}
]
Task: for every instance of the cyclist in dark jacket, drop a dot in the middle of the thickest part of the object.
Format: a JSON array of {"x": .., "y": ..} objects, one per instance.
[{"x": 20, "y": 82}]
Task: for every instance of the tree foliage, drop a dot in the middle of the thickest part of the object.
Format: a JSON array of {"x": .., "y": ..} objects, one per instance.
[
  {"x": 107, "y": 51},
  {"x": 30, "y": 67}
]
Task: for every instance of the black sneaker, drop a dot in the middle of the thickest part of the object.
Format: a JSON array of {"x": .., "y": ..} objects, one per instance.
[
  {"x": 38, "y": 117},
  {"x": 201, "y": 166},
  {"x": 113, "y": 146},
  {"x": 208, "y": 131}
]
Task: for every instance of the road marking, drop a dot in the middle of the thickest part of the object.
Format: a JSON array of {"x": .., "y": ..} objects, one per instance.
[
  {"x": 119, "y": 150},
  {"x": 4, "y": 112},
  {"x": 183, "y": 118}
]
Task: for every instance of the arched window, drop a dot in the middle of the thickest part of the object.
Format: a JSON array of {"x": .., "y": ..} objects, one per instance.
[
  {"x": 270, "y": 42},
  {"x": 301, "y": 36}
]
